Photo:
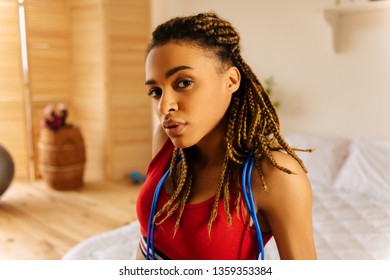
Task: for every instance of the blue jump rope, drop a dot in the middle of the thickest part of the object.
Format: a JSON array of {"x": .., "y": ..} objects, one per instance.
[{"x": 248, "y": 196}]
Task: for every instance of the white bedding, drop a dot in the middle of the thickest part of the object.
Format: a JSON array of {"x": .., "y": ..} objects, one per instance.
[
  {"x": 347, "y": 227},
  {"x": 351, "y": 204}
]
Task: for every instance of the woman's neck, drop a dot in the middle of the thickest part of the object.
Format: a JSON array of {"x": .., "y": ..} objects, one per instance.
[{"x": 210, "y": 151}]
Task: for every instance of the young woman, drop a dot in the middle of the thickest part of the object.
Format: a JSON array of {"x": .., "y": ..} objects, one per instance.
[{"x": 215, "y": 117}]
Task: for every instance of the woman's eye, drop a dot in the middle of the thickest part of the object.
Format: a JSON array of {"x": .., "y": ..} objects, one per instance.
[
  {"x": 184, "y": 83},
  {"x": 154, "y": 92}
]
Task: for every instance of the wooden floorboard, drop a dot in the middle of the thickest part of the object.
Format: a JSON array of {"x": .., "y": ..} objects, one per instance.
[{"x": 40, "y": 223}]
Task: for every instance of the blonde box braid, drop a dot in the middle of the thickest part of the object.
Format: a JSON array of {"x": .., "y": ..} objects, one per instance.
[{"x": 253, "y": 122}]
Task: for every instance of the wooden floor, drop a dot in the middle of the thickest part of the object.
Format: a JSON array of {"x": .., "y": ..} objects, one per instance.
[{"x": 37, "y": 222}]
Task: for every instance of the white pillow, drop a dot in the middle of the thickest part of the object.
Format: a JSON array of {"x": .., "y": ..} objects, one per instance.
[
  {"x": 325, "y": 162},
  {"x": 367, "y": 169}
]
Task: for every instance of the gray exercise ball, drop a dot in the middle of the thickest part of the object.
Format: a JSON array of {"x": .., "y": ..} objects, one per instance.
[{"x": 7, "y": 169}]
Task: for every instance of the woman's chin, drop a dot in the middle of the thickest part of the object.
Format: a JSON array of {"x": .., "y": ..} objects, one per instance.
[{"x": 181, "y": 143}]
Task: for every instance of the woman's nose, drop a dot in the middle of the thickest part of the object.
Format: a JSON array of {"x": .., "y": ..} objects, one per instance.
[{"x": 167, "y": 103}]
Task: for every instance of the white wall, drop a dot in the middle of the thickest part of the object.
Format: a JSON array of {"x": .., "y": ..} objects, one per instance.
[{"x": 345, "y": 93}]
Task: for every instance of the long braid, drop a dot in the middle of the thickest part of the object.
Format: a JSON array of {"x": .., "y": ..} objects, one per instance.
[
  {"x": 253, "y": 123},
  {"x": 181, "y": 190}
]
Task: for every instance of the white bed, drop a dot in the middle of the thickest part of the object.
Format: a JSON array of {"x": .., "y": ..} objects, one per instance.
[{"x": 351, "y": 204}]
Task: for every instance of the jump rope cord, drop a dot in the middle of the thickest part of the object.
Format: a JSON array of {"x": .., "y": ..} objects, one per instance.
[
  {"x": 150, "y": 238},
  {"x": 247, "y": 190}
]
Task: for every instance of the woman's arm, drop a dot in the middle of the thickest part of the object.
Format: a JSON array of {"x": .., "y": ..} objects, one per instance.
[
  {"x": 139, "y": 255},
  {"x": 159, "y": 138},
  {"x": 287, "y": 207}
]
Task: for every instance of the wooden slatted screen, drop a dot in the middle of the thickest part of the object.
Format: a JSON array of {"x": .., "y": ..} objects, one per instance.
[
  {"x": 88, "y": 54},
  {"x": 13, "y": 133},
  {"x": 129, "y": 108},
  {"x": 89, "y": 90},
  {"x": 49, "y": 58}
]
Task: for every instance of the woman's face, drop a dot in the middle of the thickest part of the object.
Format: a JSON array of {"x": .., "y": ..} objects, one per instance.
[{"x": 191, "y": 91}]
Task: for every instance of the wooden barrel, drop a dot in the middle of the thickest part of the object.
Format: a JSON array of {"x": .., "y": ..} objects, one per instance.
[{"x": 62, "y": 157}]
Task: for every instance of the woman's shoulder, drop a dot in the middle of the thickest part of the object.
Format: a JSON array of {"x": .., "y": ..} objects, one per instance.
[
  {"x": 286, "y": 204},
  {"x": 159, "y": 139},
  {"x": 281, "y": 186},
  {"x": 161, "y": 157},
  {"x": 283, "y": 160}
]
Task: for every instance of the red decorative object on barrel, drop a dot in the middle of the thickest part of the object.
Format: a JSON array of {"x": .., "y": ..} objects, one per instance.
[{"x": 61, "y": 150}]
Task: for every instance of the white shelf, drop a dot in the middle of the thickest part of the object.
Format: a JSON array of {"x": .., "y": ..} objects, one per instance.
[
  {"x": 333, "y": 15},
  {"x": 351, "y": 8}
]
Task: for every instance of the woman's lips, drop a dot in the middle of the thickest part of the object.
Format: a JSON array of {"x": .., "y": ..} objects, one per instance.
[{"x": 173, "y": 128}]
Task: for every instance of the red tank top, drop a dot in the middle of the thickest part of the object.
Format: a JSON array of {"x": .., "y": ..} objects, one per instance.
[{"x": 235, "y": 241}]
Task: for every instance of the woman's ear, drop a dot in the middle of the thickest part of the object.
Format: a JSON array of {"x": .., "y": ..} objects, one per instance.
[{"x": 234, "y": 79}]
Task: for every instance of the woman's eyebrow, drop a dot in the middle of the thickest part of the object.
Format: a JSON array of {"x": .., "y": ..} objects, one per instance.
[
  {"x": 176, "y": 69},
  {"x": 169, "y": 73}
]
